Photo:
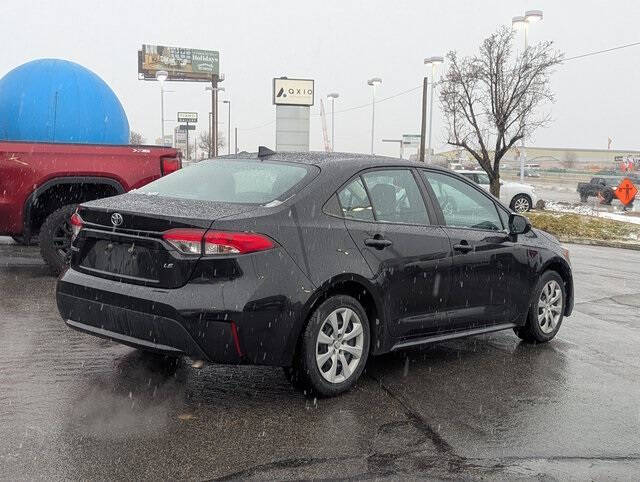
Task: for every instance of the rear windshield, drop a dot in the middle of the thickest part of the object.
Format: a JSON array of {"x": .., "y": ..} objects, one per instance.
[{"x": 233, "y": 181}]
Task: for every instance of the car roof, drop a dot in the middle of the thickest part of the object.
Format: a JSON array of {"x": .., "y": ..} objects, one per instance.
[{"x": 319, "y": 158}]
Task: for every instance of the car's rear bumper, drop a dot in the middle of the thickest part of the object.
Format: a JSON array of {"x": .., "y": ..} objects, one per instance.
[
  {"x": 245, "y": 320},
  {"x": 134, "y": 322}
]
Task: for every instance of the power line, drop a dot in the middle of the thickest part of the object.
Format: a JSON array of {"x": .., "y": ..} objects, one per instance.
[
  {"x": 589, "y": 54},
  {"x": 368, "y": 104}
]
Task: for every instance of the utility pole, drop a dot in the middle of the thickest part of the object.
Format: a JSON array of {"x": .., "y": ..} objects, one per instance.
[
  {"x": 236, "y": 143},
  {"x": 423, "y": 127}
]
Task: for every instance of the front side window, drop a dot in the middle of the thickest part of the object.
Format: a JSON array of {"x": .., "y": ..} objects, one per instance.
[
  {"x": 396, "y": 197},
  {"x": 232, "y": 181},
  {"x": 355, "y": 202},
  {"x": 461, "y": 204}
]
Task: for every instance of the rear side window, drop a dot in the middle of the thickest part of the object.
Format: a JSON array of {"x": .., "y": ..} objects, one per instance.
[
  {"x": 355, "y": 202},
  {"x": 396, "y": 197},
  {"x": 233, "y": 181}
]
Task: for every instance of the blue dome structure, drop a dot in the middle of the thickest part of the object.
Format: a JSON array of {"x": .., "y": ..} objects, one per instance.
[{"x": 52, "y": 100}]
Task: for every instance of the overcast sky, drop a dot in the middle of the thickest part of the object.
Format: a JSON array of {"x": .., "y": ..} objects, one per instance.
[{"x": 340, "y": 44}]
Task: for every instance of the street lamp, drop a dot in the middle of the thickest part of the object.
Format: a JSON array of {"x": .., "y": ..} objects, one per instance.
[
  {"x": 333, "y": 96},
  {"x": 373, "y": 82},
  {"x": 161, "y": 76},
  {"x": 228, "y": 102},
  {"x": 434, "y": 62},
  {"x": 522, "y": 23},
  {"x": 213, "y": 122}
]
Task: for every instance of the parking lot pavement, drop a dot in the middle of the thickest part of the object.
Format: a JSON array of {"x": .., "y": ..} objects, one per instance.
[{"x": 73, "y": 406}]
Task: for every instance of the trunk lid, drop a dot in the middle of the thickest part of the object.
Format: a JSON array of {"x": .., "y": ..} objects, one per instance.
[{"x": 121, "y": 238}]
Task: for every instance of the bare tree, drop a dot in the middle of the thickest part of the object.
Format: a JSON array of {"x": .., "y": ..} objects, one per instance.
[
  {"x": 136, "y": 138},
  {"x": 204, "y": 142},
  {"x": 499, "y": 93}
]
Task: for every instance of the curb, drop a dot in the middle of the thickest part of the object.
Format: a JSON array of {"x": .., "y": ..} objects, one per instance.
[{"x": 601, "y": 242}]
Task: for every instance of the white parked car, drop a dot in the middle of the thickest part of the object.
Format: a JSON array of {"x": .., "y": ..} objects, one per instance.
[{"x": 519, "y": 197}]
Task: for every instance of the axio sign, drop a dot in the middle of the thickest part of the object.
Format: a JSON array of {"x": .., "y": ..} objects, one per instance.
[{"x": 293, "y": 92}]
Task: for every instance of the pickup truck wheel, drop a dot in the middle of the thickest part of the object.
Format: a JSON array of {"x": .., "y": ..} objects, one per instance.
[
  {"x": 521, "y": 203},
  {"x": 584, "y": 198},
  {"x": 607, "y": 196},
  {"x": 55, "y": 239}
]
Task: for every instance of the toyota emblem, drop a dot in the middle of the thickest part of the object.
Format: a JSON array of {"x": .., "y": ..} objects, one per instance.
[{"x": 116, "y": 219}]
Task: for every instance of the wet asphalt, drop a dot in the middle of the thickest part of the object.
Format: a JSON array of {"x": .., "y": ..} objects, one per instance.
[{"x": 488, "y": 407}]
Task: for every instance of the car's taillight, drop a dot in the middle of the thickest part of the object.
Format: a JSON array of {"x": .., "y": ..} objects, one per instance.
[
  {"x": 187, "y": 241},
  {"x": 76, "y": 225},
  {"x": 170, "y": 164},
  {"x": 221, "y": 242},
  {"x": 199, "y": 242}
]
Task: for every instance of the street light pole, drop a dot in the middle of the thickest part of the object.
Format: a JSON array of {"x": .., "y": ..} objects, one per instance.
[
  {"x": 373, "y": 82},
  {"x": 434, "y": 62},
  {"x": 333, "y": 96},
  {"x": 423, "y": 124},
  {"x": 228, "y": 102},
  {"x": 530, "y": 16}
]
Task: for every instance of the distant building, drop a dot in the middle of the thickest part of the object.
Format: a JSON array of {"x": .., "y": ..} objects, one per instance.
[{"x": 563, "y": 157}]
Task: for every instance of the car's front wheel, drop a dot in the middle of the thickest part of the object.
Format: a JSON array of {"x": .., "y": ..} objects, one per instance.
[
  {"x": 521, "y": 203},
  {"x": 546, "y": 310},
  {"x": 333, "y": 349}
]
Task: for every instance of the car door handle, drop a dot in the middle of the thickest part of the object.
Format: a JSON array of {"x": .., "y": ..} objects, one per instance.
[
  {"x": 378, "y": 243},
  {"x": 463, "y": 247}
]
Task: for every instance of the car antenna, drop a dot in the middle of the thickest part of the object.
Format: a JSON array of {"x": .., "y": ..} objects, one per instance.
[{"x": 264, "y": 151}]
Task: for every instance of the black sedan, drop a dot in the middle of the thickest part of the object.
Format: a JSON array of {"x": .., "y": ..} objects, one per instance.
[{"x": 309, "y": 261}]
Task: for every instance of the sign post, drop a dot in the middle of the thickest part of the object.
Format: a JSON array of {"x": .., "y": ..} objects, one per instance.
[
  {"x": 187, "y": 117},
  {"x": 626, "y": 192},
  {"x": 293, "y": 99}
]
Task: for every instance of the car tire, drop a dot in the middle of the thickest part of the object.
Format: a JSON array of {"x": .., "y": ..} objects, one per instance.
[
  {"x": 521, "y": 203},
  {"x": 607, "y": 196},
  {"x": 313, "y": 366},
  {"x": 584, "y": 198},
  {"x": 544, "y": 316},
  {"x": 55, "y": 239}
]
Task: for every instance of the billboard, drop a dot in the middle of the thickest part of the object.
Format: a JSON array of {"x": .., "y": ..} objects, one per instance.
[
  {"x": 187, "y": 117},
  {"x": 180, "y": 63},
  {"x": 293, "y": 91}
]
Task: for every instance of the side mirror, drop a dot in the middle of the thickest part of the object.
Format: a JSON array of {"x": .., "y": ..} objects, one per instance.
[{"x": 518, "y": 224}]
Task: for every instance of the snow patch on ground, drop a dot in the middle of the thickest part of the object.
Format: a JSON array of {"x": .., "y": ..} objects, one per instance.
[{"x": 587, "y": 210}]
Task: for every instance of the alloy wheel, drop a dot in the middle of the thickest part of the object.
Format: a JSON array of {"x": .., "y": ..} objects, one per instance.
[
  {"x": 550, "y": 306},
  {"x": 521, "y": 205},
  {"x": 339, "y": 345},
  {"x": 62, "y": 239}
]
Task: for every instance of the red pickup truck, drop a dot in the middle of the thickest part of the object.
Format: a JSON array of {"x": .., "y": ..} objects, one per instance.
[{"x": 41, "y": 184}]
